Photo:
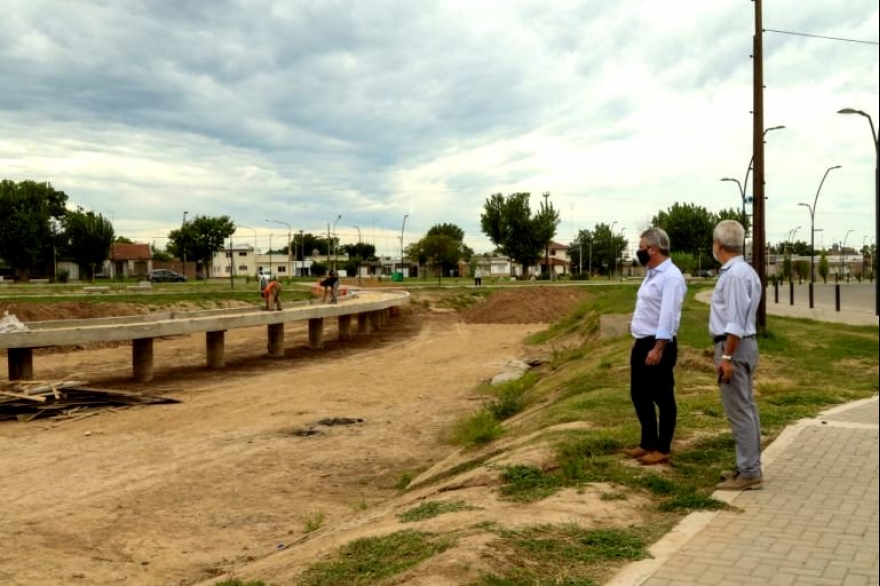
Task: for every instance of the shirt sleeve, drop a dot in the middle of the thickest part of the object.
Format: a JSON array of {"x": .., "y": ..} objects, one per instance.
[
  {"x": 670, "y": 308},
  {"x": 738, "y": 302}
]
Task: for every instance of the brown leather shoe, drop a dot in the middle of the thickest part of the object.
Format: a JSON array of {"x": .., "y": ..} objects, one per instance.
[
  {"x": 740, "y": 483},
  {"x": 654, "y": 458},
  {"x": 635, "y": 452},
  {"x": 729, "y": 474}
]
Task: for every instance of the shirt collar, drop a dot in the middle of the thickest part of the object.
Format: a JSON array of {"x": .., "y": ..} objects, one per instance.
[
  {"x": 732, "y": 261},
  {"x": 661, "y": 267}
]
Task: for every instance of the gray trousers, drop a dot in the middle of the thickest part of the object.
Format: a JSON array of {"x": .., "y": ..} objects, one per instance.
[{"x": 738, "y": 400}]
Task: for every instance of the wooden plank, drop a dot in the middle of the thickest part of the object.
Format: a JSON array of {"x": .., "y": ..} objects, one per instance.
[{"x": 37, "y": 398}]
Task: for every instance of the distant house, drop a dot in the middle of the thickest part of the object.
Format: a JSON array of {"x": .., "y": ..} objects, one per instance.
[{"x": 129, "y": 260}]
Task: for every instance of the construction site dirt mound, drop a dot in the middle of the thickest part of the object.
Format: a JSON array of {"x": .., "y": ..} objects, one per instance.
[{"x": 525, "y": 305}]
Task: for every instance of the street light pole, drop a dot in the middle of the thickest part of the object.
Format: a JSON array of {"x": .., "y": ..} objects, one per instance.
[
  {"x": 742, "y": 194},
  {"x": 813, "y": 230},
  {"x": 335, "y": 247},
  {"x": 840, "y": 264},
  {"x": 289, "y": 246},
  {"x": 255, "y": 246},
  {"x": 183, "y": 237},
  {"x": 546, "y": 196},
  {"x": 402, "y": 228},
  {"x": 875, "y": 137},
  {"x": 358, "y": 253},
  {"x": 618, "y": 261},
  {"x": 791, "y": 234}
]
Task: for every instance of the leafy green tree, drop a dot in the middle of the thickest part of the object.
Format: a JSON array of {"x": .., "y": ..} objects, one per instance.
[
  {"x": 600, "y": 249},
  {"x": 822, "y": 269},
  {"x": 87, "y": 239},
  {"x": 441, "y": 252},
  {"x": 200, "y": 238},
  {"x": 510, "y": 225},
  {"x": 689, "y": 227},
  {"x": 26, "y": 211},
  {"x": 159, "y": 254},
  {"x": 309, "y": 243},
  {"x": 122, "y": 240}
]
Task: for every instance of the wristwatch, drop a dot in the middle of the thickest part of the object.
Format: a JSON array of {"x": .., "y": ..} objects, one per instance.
[{"x": 726, "y": 357}]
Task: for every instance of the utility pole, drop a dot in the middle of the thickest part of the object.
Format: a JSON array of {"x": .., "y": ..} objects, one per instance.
[
  {"x": 547, "y": 246},
  {"x": 758, "y": 234}
]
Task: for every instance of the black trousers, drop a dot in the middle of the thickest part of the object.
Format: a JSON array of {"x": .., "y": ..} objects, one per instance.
[{"x": 652, "y": 389}]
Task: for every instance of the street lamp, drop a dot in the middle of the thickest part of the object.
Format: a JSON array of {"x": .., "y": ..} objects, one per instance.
[
  {"x": 546, "y": 196},
  {"x": 358, "y": 253},
  {"x": 812, "y": 209},
  {"x": 335, "y": 246},
  {"x": 745, "y": 185},
  {"x": 183, "y": 237},
  {"x": 289, "y": 230},
  {"x": 840, "y": 264},
  {"x": 742, "y": 194},
  {"x": 875, "y": 137},
  {"x": 402, "y": 227},
  {"x": 791, "y": 234},
  {"x": 618, "y": 261},
  {"x": 611, "y": 243}
]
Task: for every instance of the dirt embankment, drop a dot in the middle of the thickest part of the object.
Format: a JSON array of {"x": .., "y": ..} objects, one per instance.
[{"x": 176, "y": 494}]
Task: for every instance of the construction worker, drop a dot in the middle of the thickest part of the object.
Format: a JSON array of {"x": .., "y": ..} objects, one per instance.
[{"x": 272, "y": 294}]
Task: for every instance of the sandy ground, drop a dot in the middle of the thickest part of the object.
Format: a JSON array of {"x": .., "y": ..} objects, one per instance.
[{"x": 178, "y": 494}]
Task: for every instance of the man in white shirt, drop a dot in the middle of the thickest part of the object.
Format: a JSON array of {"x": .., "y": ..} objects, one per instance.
[
  {"x": 655, "y": 323},
  {"x": 732, "y": 325}
]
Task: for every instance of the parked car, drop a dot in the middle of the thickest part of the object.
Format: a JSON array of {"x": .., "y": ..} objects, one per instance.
[
  {"x": 707, "y": 273},
  {"x": 166, "y": 276}
]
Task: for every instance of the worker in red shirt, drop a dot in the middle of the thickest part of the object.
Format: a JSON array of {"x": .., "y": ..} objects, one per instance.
[{"x": 272, "y": 294}]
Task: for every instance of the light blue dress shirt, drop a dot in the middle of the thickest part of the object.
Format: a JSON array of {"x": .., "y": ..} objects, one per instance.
[
  {"x": 735, "y": 300},
  {"x": 659, "y": 301}
]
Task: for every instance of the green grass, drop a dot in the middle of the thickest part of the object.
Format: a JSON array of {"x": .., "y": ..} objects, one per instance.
[
  {"x": 432, "y": 509},
  {"x": 566, "y": 554},
  {"x": 314, "y": 521},
  {"x": 371, "y": 560}
]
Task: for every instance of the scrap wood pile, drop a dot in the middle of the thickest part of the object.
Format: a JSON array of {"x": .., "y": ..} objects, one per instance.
[{"x": 27, "y": 400}]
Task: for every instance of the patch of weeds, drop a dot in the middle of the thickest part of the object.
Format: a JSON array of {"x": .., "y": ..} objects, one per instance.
[
  {"x": 372, "y": 559},
  {"x": 527, "y": 483},
  {"x": 314, "y": 521},
  {"x": 553, "y": 555},
  {"x": 618, "y": 495},
  {"x": 360, "y": 505},
  {"x": 692, "y": 500},
  {"x": 511, "y": 398},
  {"x": 404, "y": 481},
  {"x": 459, "y": 469},
  {"x": 478, "y": 429},
  {"x": 656, "y": 484},
  {"x": 432, "y": 509}
]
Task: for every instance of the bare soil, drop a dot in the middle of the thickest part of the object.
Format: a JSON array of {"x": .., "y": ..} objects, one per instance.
[{"x": 227, "y": 482}]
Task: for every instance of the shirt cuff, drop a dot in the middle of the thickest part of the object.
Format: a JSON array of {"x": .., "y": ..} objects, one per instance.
[{"x": 735, "y": 330}]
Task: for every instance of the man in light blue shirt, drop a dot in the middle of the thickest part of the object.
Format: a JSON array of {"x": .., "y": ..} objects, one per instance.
[
  {"x": 732, "y": 327},
  {"x": 655, "y": 351}
]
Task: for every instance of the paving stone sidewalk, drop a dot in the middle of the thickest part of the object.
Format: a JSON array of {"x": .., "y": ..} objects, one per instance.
[{"x": 814, "y": 523}]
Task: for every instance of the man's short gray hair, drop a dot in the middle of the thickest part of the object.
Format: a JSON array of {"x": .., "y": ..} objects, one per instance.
[
  {"x": 657, "y": 238},
  {"x": 729, "y": 234}
]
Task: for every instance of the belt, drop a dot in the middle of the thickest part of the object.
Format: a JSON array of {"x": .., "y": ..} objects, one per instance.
[{"x": 718, "y": 339}]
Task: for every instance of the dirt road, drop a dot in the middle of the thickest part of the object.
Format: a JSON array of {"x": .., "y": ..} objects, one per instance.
[{"x": 175, "y": 494}]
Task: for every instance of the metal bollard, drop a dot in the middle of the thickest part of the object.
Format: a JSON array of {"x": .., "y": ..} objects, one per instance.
[
  {"x": 791, "y": 293},
  {"x": 776, "y": 290},
  {"x": 837, "y": 297}
]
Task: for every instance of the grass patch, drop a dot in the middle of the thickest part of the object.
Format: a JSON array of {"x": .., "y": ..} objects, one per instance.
[
  {"x": 373, "y": 559},
  {"x": 477, "y": 429},
  {"x": 465, "y": 299},
  {"x": 432, "y": 509},
  {"x": 527, "y": 483},
  {"x": 314, "y": 521},
  {"x": 511, "y": 397},
  {"x": 553, "y": 555},
  {"x": 240, "y": 583}
]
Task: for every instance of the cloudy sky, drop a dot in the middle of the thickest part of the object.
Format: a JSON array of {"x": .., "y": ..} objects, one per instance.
[{"x": 294, "y": 112}]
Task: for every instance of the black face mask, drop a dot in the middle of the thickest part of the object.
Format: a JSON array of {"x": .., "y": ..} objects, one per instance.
[{"x": 643, "y": 257}]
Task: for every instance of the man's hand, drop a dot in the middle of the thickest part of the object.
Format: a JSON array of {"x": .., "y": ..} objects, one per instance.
[
  {"x": 654, "y": 356},
  {"x": 725, "y": 371}
]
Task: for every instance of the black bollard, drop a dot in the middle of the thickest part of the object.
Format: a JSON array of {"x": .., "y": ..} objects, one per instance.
[
  {"x": 776, "y": 290},
  {"x": 837, "y": 297},
  {"x": 791, "y": 293}
]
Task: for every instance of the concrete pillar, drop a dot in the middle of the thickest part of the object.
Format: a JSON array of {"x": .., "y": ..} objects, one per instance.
[
  {"x": 316, "y": 333},
  {"x": 142, "y": 359},
  {"x": 345, "y": 327},
  {"x": 276, "y": 340},
  {"x": 214, "y": 349},
  {"x": 375, "y": 321},
  {"x": 21, "y": 363},
  {"x": 363, "y": 323}
]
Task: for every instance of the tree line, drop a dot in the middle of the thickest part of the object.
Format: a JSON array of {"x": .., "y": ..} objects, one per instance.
[{"x": 37, "y": 226}]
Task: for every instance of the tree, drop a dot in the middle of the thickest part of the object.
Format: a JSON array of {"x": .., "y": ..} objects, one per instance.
[
  {"x": 87, "y": 239},
  {"x": 159, "y": 254},
  {"x": 309, "y": 243},
  {"x": 509, "y": 224},
  {"x": 200, "y": 238},
  {"x": 689, "y": 227},
  {"x": 122, "y": 240},
  {"x": 26, "y": 211},
  {"x": 600, "y": 249}
]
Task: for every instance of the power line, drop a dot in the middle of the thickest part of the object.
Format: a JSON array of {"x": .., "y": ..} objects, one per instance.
[{"x": 770, "y": 30}]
